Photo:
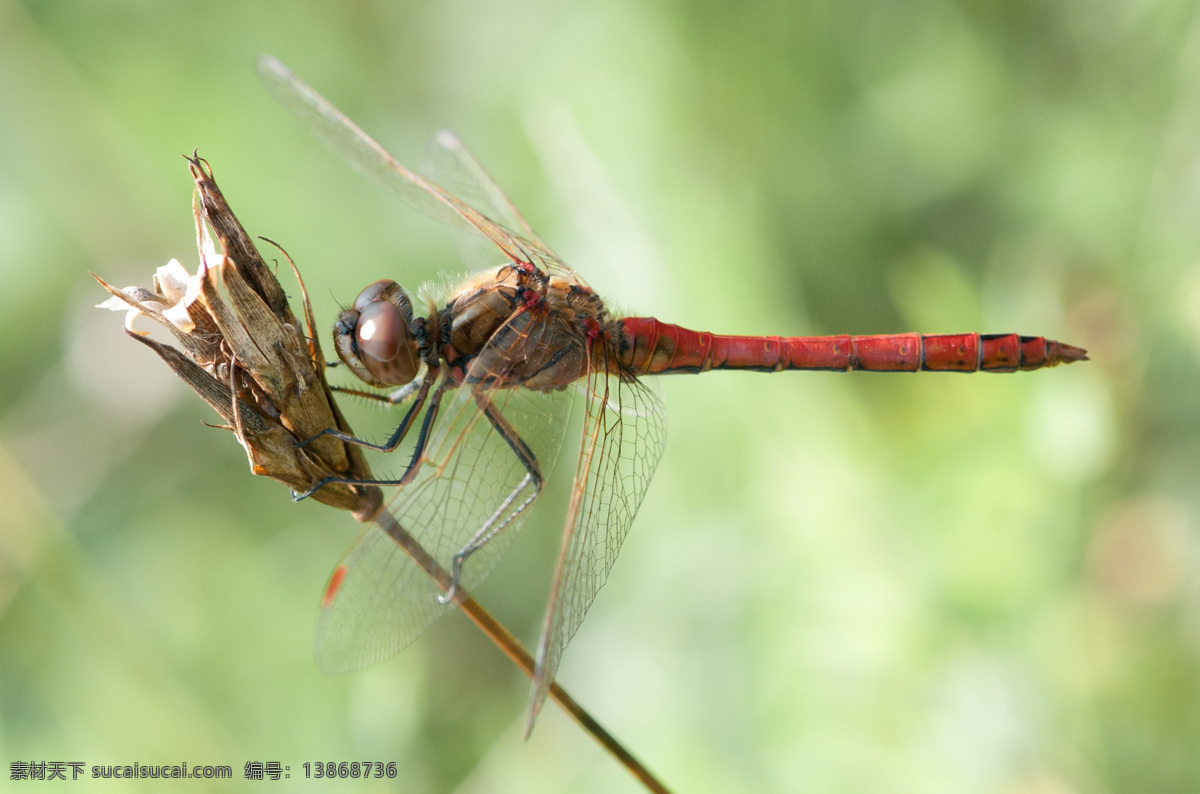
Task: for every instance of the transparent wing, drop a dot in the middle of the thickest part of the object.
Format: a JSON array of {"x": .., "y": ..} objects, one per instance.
[
  {"x": 371, "y": 607},
  {"x": 451, "y": 165},
  {"x": 623, "y": 439},
  {"x": 379, "y": 601},
  {"x": 361, "y": 151}
]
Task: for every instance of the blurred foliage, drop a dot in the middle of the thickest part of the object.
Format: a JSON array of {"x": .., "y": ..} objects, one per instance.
[{"x": 837, "y": 583}]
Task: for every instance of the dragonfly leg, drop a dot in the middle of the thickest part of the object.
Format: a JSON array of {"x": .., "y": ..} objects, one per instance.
[
  {"x": 398, "y": 396},
  {"x": 435, "y": 402},
  {"x": 403, "y": 394},
  {"x": 505, "y": 514}
]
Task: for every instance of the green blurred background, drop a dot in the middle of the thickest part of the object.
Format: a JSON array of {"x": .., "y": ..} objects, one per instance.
[{"x": 837, "y": 583}]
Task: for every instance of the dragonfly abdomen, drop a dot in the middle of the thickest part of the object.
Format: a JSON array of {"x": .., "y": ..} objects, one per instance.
[{"x": 654, "y": 347}]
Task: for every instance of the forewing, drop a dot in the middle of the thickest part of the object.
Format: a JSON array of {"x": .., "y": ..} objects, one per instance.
[
  {"x": 376, "y": 602},
  {"x": 623, "y": 438},
  {"x": 450, "y": 164},
  {"x": 383, "y": 601},
  {"x": 362, "y": 152}
]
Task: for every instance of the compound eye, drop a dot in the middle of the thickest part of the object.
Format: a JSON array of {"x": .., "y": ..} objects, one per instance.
[
  {"x": 381, "y": 331},
  {"x": 378, "y": 291}
]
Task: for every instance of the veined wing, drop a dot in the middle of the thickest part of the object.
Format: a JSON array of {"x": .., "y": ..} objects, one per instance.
[
  {"x": 623, "y": 439},
  {"x": 365, "y": 155},
  {"x": 451, "y": 165},
  {"x": 378, "y": 600}
]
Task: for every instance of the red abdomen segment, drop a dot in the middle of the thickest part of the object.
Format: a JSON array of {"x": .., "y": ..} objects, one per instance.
[{"x": 653, "y": 347}]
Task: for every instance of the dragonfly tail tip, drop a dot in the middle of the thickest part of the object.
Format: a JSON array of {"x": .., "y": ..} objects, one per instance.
[{"x": 1062, "y": 353}]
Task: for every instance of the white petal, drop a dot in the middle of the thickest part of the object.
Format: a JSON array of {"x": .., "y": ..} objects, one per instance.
[
  {"x": 178, "y": 315},
  {"x": 171, "y": 280}
]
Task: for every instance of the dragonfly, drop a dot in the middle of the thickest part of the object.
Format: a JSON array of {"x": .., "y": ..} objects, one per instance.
[{"x": 489, "y": 378}]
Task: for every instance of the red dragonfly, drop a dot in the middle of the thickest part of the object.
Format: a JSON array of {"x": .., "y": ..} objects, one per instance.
[{"x": 489, "y": 378}]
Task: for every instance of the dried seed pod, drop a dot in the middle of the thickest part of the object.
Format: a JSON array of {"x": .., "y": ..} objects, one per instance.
[{"x": 243, "y": 351}]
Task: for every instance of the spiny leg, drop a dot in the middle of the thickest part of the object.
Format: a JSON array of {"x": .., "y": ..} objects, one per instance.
[
  {"x": 401, "y": 395},
  {"x": 498, "y": 520},
  {"x": 401, "y": 431},
  {"x": 435, "y": 402}
]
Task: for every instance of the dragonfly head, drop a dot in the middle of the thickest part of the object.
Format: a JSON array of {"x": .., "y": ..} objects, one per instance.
[{"x": 375, "y": 338}]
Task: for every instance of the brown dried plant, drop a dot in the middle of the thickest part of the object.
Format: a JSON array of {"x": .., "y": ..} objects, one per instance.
[{"x": 243, "y": 351}]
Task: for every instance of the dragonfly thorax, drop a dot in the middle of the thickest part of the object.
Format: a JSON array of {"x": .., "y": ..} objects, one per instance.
[{"x": 375, "y": 339}]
